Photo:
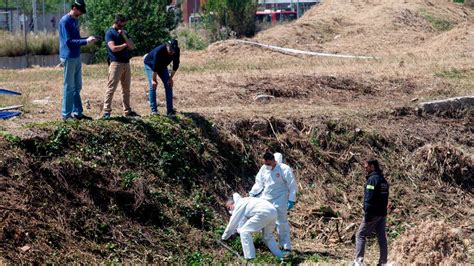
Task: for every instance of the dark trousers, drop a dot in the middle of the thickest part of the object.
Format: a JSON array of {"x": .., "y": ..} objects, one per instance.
[{"x": 376, "y": 224}]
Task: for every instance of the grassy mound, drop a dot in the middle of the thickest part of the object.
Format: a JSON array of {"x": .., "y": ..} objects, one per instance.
[
  {"x": 149, "y": 190},
  {"x": 118, "y": 190}
]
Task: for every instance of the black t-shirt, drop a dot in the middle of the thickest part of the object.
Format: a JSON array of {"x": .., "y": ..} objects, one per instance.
[
  {"x": 159, "y": 59},
  {"x": 121, "y": 56}
]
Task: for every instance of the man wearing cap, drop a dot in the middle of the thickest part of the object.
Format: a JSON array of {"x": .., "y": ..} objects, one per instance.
[
  {"x": 70, "y": 42},
  {"x": 119, "y": 45},
  {"x": 156, "y": 65}
]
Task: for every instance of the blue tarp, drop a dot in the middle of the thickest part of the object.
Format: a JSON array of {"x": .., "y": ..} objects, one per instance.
[
  {"x": 4, "y": 91},
  {"x": 7, "y": 115}
]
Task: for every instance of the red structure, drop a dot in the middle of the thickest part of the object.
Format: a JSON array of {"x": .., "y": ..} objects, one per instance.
[{"x": 189, "y": 7}]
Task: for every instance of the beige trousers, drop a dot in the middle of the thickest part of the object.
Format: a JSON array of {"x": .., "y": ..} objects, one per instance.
[{"x": 118, "y": 72}]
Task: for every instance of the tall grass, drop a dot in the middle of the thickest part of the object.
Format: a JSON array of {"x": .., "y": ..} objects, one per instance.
[
  {"x": 13, "y": 44},
  {"x": 38, "y": 44}
]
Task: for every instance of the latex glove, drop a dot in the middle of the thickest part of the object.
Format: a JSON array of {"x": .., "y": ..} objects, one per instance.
[
  {"x": 91, "y": 39},
  {"x": 291, "y": 204},
  {"x": 224, "y": 237}
]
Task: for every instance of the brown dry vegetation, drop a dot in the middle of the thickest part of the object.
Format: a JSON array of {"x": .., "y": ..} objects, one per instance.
[{"x": 327, "y": 115}]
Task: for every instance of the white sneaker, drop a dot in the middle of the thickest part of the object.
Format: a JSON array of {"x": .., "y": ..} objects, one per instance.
[{"x": 358, "y": 262}]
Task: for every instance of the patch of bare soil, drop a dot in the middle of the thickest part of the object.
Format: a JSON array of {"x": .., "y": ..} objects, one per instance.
[{"x": 303, "y": 86}]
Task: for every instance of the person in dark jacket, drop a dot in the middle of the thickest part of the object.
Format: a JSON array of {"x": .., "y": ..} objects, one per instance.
[
  {"x": 156, "y": 65},
  {"x": 375, "y": 212}
]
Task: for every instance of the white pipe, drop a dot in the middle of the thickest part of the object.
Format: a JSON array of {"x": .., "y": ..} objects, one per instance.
[{"x": 294, "y": 51}]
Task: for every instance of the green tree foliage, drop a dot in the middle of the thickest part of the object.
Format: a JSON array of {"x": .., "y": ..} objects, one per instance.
[
  {"x": 239, "y": 15},
  {"x": 148, "y": 23}
]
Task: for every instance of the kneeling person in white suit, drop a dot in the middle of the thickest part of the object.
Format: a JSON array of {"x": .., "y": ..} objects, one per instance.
[
  {"x": 251, "y": 215},
  {"x": 276, "y": 184}
]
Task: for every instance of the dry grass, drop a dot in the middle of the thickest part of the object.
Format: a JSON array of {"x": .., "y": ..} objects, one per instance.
[
  {"x": 38, "y": 44},
  {"x": 314, "y": 95},
  {"x": 434, "y": 243}
]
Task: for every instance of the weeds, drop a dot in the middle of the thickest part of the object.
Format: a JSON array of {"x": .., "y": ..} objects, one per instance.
[
  {"x": 38, "y": 44},
  {"x": 198, "y": 258},
  {"x": 452, "y": 73},
  {"x": 437, "y": 23},
  {"x": 10, "y": 137},
  {"x": 128, "y": 177},
  {"x": 192, "y": 39}
]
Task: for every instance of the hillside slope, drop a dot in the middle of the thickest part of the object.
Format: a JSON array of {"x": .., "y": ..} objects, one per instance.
[
  {"x": 147, "y": 191},
  {"x": 374, "y": 27}
]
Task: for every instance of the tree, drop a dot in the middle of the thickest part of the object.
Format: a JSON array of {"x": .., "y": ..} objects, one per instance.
[
  {"x": 239, "y": 15},
  {"x": 148, "y": 21}
]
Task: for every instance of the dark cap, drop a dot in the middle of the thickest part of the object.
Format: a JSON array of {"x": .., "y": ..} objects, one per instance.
[
  {"x": 173, "y": 44},
  {"x": 81, "y": 5}
]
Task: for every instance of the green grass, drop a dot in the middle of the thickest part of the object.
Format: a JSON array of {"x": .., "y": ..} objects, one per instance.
[
  {"x": 438, "y": 23},
  {"x": 452, "y": 73}
]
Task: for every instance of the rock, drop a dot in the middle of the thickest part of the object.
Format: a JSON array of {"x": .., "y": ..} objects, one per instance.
[
  {"x": 450, "y": 104},
  {"x": 44, "y": 101},
  {"x": 349, "y": 227},
  {"x": 264, "y": 98}
]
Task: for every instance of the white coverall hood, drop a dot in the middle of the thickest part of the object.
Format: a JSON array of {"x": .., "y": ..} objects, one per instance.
[{"x": 278, "y": 157}]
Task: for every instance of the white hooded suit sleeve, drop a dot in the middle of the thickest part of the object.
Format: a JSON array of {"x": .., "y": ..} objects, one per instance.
[
  {"x": 237, "y": 215},
  {"x": 291, "y": 183},
  {"x": 259, "y": 184}
]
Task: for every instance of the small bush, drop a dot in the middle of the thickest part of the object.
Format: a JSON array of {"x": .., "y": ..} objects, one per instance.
[{"x": 192, "y": 39}]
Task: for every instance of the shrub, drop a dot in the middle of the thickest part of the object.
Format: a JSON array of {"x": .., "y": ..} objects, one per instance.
[{"x": 148, "y": 22}]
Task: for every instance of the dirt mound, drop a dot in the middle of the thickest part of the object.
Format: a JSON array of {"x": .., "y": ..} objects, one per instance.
[
  {"x": 446, "y": 162},
  {"x": 232, "y": 48},
  {"x": 364, "y": 27},
  {"x": 301, "y": 86},
  {"x": 93, "y": 192},
  {"x": 458, "y": 40},
  {"x": 431, "y": 243}
]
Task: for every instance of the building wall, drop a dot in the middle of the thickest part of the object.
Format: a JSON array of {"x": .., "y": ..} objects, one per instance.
[{"x": 188, "y": 7}]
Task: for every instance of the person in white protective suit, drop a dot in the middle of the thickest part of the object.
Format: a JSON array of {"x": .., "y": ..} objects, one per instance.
[
  {"x": 275, "y": 183},
  {"x": 251, "y": 215}
]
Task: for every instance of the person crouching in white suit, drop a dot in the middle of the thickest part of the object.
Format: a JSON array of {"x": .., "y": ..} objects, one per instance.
[
  {"x": 275, "y": 183},
  {"x": 251, "y": 215}
]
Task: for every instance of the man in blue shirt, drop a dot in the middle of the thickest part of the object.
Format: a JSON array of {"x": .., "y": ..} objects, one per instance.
[
  {"x": 156, "y": 64},
  {"x": 70, "y": 42},
  {"x": 118, "y": 51}
]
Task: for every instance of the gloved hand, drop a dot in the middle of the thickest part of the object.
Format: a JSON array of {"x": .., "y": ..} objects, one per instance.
[
  {"x": 252, "y": 195},
  {"x": 91, "y": 39},
  {"x": 291, "y": 204},
  {"x": 225, "y": 237}
]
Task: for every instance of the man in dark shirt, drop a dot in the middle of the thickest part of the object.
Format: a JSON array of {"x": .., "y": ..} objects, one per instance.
[
  {"x": 118, "y": 51},
  {"x": 156, "y": 65},
  {"x": 375, "y": 212}
]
